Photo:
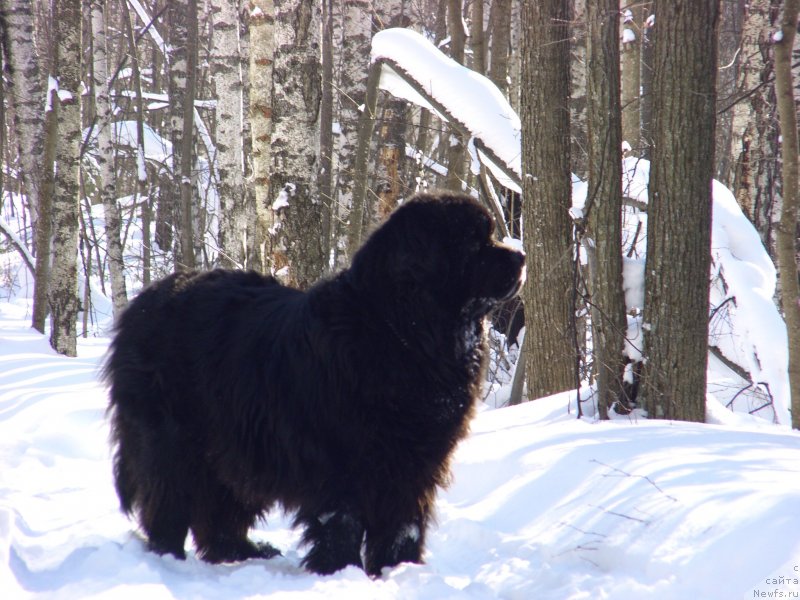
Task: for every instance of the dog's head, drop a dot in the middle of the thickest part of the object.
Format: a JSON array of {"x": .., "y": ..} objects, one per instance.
[{"x": 440, "y": 249}]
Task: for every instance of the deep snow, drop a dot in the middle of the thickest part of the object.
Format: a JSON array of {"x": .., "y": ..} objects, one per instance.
[{"x": 542, "y": 505}]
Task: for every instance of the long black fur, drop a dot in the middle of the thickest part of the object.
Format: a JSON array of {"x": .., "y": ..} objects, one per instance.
[{"x": 231, "y": 393}]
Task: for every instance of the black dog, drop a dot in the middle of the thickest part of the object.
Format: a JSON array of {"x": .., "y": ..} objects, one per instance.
[{"x": 231, "y": 393}]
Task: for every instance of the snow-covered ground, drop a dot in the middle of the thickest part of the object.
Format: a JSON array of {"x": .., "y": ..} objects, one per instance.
[{"x": 542, "y": 505}]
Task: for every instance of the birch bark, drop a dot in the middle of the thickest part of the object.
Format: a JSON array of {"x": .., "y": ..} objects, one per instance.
[
  {"x": 107, "y": 187},
  {"x": 262, "y": 44},
  {"x": 226, "y": 71},
  {"x": 27, "y": 96},
  {"x": 298, "y": 256},
  {"x": 63, "y": 294}
]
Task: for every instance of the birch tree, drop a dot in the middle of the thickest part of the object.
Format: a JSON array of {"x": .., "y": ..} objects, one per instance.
[
  {"x": 182, "y": 21},
  {"x": 296, "y": 93},
  {"x": 262, "y": 44},
  {"x": 356, "y": 34},
  {"x": 755, "y": 135},
  {"x": 63, "y": 294},
  {"x": 27, "y": 97},
  {"x": 730, "y": 49},
  {"x": 107, "y": 176},
  {"x": 226, "y": 71}
]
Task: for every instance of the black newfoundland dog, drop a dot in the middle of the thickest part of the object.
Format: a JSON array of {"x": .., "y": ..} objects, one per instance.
[{"x": 231, "y": 393}]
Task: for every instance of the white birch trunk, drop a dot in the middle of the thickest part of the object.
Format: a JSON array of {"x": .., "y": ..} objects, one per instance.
[
  {"x": 298, "y": 255},
  {"x": 262, "y": 44},
  {"x": 26, "y": 97},
  {"x": 355, "y": 49},
  {"x": 66, "y": 205},
  {"x": 755, "y": 137},
  {"x": 27, "y": 94},
  {"x": 107, "y": 187},
  {"x": 226, "y": 71}
]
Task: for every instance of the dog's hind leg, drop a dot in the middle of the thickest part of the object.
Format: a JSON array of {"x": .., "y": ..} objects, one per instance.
[
  {"x": 335, "y": 538},
  {"x": 389, "y": 545},
  {"x": 219, "y": 525}
]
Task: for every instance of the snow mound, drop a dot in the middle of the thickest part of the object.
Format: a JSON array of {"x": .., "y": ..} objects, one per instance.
[{"x": 542, "y": 505}]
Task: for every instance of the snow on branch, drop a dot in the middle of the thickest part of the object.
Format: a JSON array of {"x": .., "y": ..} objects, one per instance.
[
  {"x": 415, "y": 70},
  {"x": 14, "y": 240}
]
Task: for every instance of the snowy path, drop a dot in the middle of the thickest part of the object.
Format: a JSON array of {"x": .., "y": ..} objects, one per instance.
[{"x": 542, "y": 506}]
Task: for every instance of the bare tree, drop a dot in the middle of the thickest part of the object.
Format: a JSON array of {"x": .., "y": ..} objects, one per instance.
[
  {"x": 500, "y": 28},
  {"x": 787, "y": 230},
  {"x": 295, "y": 142},
  {"x": 546, "y": 190},
  {"x": 604, "y": 202},
  {"x": 105, "y": 156},
  {"x": 756, "y": 174},
  {"x": 632, "y": 20},
  {"x": 356, "y": 34},
  {"x": 730, "y": 49},
  {"x": 477, "y": 39},
  {"x": 182, "y": 59},
  {"x": 262, "y": 44},
  {"x": 456, "y": 165},
  {"x": 141, "y": 166},
  {"x": 66, "y": 205},
  {"x": 227, "y": 75},
  {"x": 26, "y": 97},
  {"x": 679, "y": 213}
]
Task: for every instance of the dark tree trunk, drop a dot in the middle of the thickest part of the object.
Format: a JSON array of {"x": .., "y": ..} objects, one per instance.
[
  {"x": 546, "y": 191},
  {"x": 604, "y": 202},
  {"x": 673, "y": 383}
]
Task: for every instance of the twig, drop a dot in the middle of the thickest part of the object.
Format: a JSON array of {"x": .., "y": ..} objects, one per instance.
[{"x": 626, "y": 474}]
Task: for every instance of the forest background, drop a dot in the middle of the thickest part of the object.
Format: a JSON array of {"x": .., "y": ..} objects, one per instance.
[{"x": 252, "y": 135}]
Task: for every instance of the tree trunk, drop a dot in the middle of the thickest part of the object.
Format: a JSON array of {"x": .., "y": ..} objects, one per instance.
[
  {"x": 295, "y": 142},
  {"x": 107, "y": 187},
  {"x": 325, "y": 170},
  {"x": 262, "y": 44},
  {"x": 181, "y": 106},
  {"x": 187, "y": 258},
  {"x": 646, "y": 79},
  {"x": 546, "y": 191},
  {"x": 787, "y": 229},
  {"x": 27, "y": 93},
  {"x": 730, "y": 47},
  {"x": 500, "y": 26},
  {"x": 477, "y": 40},
  {"x": 456, "y": 165},
  {"x": 755, "y": 138},
  {"x": 26, "y": 96},
  {"x": 631, "y": 62},
  {"x": 391, "y": 160},
  {"x": 227, "y": 76},
  {"x": 604, "y": 202},
  {"x": 66, "y": 206},
  {"x": 578, "y": 26},
  {"x": 361, "y": 161},
  {"x": 673, "y": 383},
  {"x": 352, "y": 96},
  {"x": 141, "y": 167}
]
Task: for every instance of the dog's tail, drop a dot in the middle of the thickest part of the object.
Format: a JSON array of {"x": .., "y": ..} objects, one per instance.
[{"x": 137, "y": 400}]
